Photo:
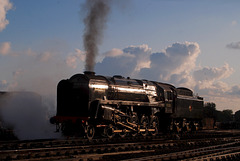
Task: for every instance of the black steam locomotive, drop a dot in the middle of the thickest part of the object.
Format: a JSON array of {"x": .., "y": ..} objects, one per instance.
[{"x": 93, "y": 104}]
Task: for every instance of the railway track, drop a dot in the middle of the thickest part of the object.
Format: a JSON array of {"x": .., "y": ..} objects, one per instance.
[
  {"x": 225, "y": 151},
  {"x": 144, "y": 148}
]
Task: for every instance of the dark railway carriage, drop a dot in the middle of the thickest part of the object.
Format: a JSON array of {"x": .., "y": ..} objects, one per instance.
[
  {"x": 188, "y": 106},
  {"x": 118, "y": 105},
  {"x": 188, "y": 109}
]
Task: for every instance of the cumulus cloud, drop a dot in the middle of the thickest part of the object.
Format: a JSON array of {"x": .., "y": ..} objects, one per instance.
[
  {"x": 5, "y": 47},
  {"x": 217, "y": 88},
  {"x": 115, "y": 53},
  {"x": 177, "y": 59},
  {"x": 208, "y": 80},
  {"x": 5, "y": 5},
  {"x": 233, "y": 45},
  {"x": 126, "y": 62},
  {"x": 212, "y": 74},
  {"x": 173, "y": 65}
]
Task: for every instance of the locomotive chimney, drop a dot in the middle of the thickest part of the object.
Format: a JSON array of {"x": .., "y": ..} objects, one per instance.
[{"x": 89, "y": 73}]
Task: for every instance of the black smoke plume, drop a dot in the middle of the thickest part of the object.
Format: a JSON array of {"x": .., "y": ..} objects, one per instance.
[{"x": 97, "y": 12}]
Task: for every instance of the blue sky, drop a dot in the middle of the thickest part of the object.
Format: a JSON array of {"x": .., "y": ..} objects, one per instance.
[{"x": 188, "y": 43}]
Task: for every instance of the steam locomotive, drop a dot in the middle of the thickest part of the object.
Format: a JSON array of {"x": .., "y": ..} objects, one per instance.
[{"x": 100, "y": 105}]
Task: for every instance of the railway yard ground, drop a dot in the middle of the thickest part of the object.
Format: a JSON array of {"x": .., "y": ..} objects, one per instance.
[{"x": 207, "y": 145}]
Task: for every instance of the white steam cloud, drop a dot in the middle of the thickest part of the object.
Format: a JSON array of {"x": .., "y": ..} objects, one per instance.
[
  {"x": 5, "y": 5},
  {"x": 27, "y": 115}
]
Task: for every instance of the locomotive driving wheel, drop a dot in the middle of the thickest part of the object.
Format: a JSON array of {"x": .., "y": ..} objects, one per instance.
[
  {"x": 144, "y": 125},
  {"x": 154, "y": 124},
  {"x": 90, "y": 131},
  {"x": 134, "y": 120},
  {"x": 109, "y": 131}
]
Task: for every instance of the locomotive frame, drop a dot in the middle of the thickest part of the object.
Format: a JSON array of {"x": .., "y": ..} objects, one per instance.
[{"x": 92, "y": 104}]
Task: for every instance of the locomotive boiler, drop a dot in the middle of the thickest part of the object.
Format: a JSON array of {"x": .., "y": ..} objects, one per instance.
[{"x": 93, "y": 104}]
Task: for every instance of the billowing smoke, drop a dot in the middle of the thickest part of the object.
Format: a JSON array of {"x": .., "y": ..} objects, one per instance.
[
  {"x": 97, "y": 12},
  {"x": 26, "y": 113}
]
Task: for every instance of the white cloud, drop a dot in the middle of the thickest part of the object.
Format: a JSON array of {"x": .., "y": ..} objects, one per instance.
[
  {"x": 5, "y": 5},
  {"x": 73, "y": 60},
  {"x": 214, "y": 73},
  {"x": 173, "y": 65},
  {"x": 114, "y": 53},
  {"x": 142, "y": 54},
  {"x": 206, "y": 76},
  {"x": 126, "y": 62},
  {"x": 177, "y": 59},
  {"x": 5, "y": 47}
]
